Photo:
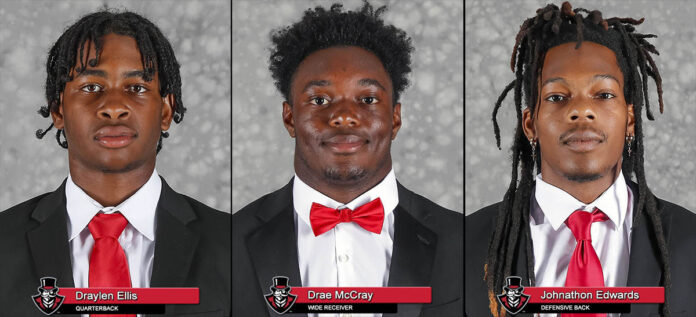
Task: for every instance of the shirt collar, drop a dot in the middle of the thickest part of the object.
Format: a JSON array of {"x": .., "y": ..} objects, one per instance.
[
  {"x": 139, "y": 209},
  {"x": 556, "y": 205},
  {"x": 303, "y": 196}
]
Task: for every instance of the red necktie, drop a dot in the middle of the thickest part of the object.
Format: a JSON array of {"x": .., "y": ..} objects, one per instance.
[
  {"x": 370, "y": 216},
  {"x": 584, "y": 269},
  {"x": 108, "y": 266}
]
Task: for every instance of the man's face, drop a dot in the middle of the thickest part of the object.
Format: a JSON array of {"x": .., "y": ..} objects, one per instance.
[
  {"x": 582, "y": 118},
  {"x": 342, "y": 115},
  {"x": 112, "y": 117}
]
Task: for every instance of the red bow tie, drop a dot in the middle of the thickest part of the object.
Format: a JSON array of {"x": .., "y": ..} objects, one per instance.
[{"x": 370, "y": 216}]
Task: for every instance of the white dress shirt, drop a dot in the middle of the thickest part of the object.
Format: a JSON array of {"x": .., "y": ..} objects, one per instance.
[
  {"x": 347, "y": 255},
  {"x": 554, "y": 243},
  {"x": 137, "y": 239}
]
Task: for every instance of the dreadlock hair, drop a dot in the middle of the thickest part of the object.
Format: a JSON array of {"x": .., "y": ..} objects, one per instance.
[
  {"x": 551, "y": 27},
  {"x": 74, "y": 45},
  {"x": 321, "y": 28}
]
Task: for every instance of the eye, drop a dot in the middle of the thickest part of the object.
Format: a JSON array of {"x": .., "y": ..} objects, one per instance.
[
  {"x": 555, "y": 98},
  {"x": 92, "y": 88},
  {"x": 319, "y": 101},
  {"x": 369, "y": 100},
  {"x": 606, "y": 95},
  {"x": 138, "y": 89}
]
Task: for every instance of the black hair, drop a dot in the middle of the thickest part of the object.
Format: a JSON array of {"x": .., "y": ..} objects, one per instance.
[
  {"x": 74, "y": 45},
  {"x": 321, "y": 28},
  {"x": 551, "y": 27}
]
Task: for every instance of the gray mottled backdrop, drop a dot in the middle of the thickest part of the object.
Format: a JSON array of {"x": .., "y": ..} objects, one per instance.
[
  {"x": 491, "y": 27},
  {"x": 195, "y": 160},
  {"x": 428, "y": 153}
]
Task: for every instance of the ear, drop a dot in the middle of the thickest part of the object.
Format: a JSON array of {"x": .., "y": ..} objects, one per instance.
[
  {"x": 168, "y": 104},
  {"x": 288, "y": 119},
  {"x": 631, "y": 122},
  {"x": 528, "y": 124},
  {"x": 57, "y": 116},
  {"x": 396, "y": 120}
]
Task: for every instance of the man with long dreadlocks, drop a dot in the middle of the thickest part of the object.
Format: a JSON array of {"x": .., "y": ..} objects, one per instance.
[
  {"x": 113, "y": 88},
  {"x": 580, "y": 220}
]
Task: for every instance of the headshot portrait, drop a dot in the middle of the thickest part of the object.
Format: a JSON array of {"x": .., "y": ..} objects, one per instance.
[
  {"x": 347, "y": 145},
  {"x": 198, "y": 161},
  {"x": 117, "y": 126},
  {"x": 578, "y": 146}
]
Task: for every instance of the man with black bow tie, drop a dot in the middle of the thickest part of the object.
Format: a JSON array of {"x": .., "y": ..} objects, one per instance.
[{"x": 344, "y": 220}]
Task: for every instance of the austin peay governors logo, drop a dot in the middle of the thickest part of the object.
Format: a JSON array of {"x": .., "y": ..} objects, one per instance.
[
  {"x": 280, "y": 298},
  {"x": 48, "y": 300},
  {"x": 513, "y": 297}
]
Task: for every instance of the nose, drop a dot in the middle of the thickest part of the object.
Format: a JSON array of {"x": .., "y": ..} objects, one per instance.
[
  {"x": 114, "y": 108},
  {"x": 345, "y": 115},
  {"x": 582, "y": 110}
]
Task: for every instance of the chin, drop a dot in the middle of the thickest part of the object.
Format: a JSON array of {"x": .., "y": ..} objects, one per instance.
[
  {"x": 344, "y": 174},
  {"x": 583, "y": 177},
  {"x": 587, "y": 173},
  {"x": 119, "y": 167},
  {"x": 588, "y": 170}
]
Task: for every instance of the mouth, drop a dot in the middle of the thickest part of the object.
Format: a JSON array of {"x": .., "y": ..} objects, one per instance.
[
  {"x": 583, "y": 140},
  {"x": 345, "y": 143},
  {"x": 115, "y": 137}
]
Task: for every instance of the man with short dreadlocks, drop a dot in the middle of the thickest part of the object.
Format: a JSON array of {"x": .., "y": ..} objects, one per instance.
[
  {"x": 580, "y": 219},
  {"x": 112, "y": 89}
]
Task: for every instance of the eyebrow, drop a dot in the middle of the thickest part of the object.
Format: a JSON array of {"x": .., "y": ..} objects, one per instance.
[
  {"x": 361, "y": 82},
  {"x": 93, "y": 72},
  {"x": 605, "y": 76},
  {"x": 320, "y": 83},
  {"x": 134, "y": 73},
  {"x": 101, "y": 73},
  {"x": 370, "y": 82},
  {"x": 594, "y": 78}
]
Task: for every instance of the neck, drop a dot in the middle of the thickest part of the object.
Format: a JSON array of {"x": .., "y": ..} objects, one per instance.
[
  {"x": 110, "y": 189},
  {"x": 585, "y": 191},
  {"x": 343, "y": 192}
]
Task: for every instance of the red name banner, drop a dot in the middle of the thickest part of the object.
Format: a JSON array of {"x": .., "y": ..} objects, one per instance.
[
  {"x": 125, "y": 295},
  {"x": 590, "y": 295},
  {"x": 316, "y": 295}
]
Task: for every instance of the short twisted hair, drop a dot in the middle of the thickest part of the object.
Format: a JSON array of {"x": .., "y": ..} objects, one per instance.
[{"x": 156, "y": 52}]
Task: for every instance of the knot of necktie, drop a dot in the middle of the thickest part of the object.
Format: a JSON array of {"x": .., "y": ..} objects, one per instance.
[
  {"x": 107, "y": 225},
  {"x": 581, "y": 221},
  {"x": 369, "y": 216}
]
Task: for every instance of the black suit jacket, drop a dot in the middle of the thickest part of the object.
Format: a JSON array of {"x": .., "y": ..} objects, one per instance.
[
  {"x": 644, "y": 267},
  {"x": 427, "y": 252},
  {"x": 192, "y": 249}
]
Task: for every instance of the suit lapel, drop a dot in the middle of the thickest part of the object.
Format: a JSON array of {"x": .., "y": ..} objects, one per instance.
[
  {"x": 48, "y": 242},
  {"x": 175, "y": 242},
  {"x": 644, "y": 268},
  {"x": 414, "y": 249},
  {"x": 273, "y": 246}
]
